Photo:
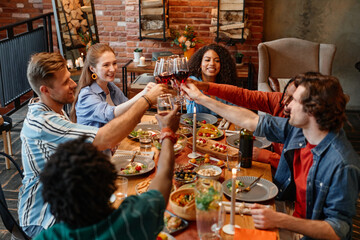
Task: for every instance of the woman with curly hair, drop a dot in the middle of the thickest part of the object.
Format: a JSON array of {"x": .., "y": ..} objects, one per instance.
[
  {"x": 211, "y": 63},
  {"x": 98, "y": 100}
]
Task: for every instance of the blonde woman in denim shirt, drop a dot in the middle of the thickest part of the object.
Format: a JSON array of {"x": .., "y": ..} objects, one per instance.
[{"x": 98, "y": 100}]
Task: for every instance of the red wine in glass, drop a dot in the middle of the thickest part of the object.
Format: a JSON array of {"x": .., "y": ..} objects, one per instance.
[
  {"x": 165, "y": 77},
  {"x": 181, "y": 76}
]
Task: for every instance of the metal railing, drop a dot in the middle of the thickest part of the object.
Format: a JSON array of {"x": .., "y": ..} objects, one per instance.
[{"x": 15, "y": 52}]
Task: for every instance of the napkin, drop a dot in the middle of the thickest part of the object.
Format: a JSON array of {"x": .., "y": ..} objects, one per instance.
[
  {"x": 240, "y": 208},
  {"x": 254, "y": 234},
  {"x": 126, "y": 153}
]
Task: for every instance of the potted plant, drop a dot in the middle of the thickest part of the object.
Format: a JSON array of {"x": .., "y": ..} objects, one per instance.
[
  {"x": 238, "y": 57},
  {"x": 137, "y": 54}
]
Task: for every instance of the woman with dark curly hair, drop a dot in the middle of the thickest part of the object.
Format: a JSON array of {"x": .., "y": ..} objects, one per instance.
[{"x": 211, "y": 63}]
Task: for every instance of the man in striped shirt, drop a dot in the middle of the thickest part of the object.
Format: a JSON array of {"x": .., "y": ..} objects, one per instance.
[
  {"x": 47, "y": 125},
  {"x": 78, "y": 181}
]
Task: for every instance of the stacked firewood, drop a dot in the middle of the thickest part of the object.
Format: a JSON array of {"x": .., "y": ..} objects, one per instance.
[
  {"x": 152, "y": 18},
  {"x": 232, "y": 21},
  {"x": 73, "y": 20}
]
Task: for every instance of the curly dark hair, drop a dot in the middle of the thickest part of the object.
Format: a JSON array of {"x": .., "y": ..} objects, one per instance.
[
  {"x": 77, "y": 182},
  {"x": 324, "y": 99},
  {"x": 227, "y": 74}
]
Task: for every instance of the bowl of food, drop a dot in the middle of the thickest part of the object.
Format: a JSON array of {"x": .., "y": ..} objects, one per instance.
[
  {"x": 208, "y": 171},
  {"x": 182, "y": 203},
  {"x": 178, "y": 146},
  {"x": 185, "y": 131}
]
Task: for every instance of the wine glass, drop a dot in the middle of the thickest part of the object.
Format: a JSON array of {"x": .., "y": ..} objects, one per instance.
[
  {"x": 180, "y": 70},
  {"x": 162, "y": 72},
  {"x": 157, "y": 70}
]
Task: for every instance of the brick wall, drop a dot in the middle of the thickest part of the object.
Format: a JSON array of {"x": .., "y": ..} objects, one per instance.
[
  {"x": 119, "y": 26},
  {"x": 12, "y": 11},
  {"x": 118, "y": 23}
]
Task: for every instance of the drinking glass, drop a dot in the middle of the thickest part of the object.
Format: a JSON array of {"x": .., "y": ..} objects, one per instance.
[
  {"x": 145, "y": 139},
  {"x": 209, "y": 218},
  {"x": 164, "y": 104},
  {"x": 233, "y": 161},
  {"x": 121, "y": 185},
  {"x": 222, "y": 218}
]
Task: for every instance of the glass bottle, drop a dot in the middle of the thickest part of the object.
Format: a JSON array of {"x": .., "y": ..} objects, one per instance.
[{"x": 246, "y": 148}]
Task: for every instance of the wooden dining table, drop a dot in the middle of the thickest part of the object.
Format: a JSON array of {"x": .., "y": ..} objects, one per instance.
[{"x": 244, "y": 221}]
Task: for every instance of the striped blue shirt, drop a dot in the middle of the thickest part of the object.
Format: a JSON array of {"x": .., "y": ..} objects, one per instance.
[{"x": 43, "y": 130}]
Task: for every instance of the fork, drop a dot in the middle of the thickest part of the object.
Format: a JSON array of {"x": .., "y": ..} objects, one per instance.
[
  {"x": 133, "y": 157},
  {"x": 248, "y": 188}
]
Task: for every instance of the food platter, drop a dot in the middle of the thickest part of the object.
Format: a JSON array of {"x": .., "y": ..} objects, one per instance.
[
  {"x": 208, "y": 148},
  {"x": 184, "y": 224},
  {"x": 262, "y": 191},
  {"x": 152, "y": 128},
  {"x": 199, "y": 118},
  {"x": 209, "y": 131},
  {"x": 212, "y": 161},
  {"x": 259, "y": 142},
  {"x": 123, "y": 161}
]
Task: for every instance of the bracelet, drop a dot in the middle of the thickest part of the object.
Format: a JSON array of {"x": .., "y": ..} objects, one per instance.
[
  {"x": 168, "y": 133},
  {"x": 148, "y": 100}
]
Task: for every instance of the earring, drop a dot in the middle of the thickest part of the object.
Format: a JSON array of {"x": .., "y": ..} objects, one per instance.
[{"x": 94, "y": 76}]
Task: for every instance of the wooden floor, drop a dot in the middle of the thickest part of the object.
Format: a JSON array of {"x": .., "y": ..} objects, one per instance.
[{"x": 11, "y": 181}]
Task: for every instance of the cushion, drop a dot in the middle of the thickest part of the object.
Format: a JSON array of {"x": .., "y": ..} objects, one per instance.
[
  {"x": 278, "y": 84},
  {"x": 274, "y": 84}
]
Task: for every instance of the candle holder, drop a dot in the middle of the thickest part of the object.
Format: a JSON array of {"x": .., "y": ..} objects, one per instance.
[
  {"x": 194, "y": 155},
  {"x": 230, "y": 228}
]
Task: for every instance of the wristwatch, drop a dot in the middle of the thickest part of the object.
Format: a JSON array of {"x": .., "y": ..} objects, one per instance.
[{"x": 168, "y": 133}]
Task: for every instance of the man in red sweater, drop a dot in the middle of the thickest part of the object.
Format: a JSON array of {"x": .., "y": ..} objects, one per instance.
[{"x": 273, "y": 103}]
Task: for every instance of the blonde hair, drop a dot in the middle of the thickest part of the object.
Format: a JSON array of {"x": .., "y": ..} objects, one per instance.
[
  {"x": 41, "y": 69},
  {"x": 92, "y": 59}
]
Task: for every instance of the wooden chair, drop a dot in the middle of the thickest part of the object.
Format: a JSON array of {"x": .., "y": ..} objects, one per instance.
[{"x": 5, "y": 129}]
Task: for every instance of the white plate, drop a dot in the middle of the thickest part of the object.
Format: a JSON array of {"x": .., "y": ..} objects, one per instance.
[
  {"x": 199, "y": 117},
  {"x": 141, "y": 65},
  {"x": 153, "y": 128},
  {"x": 263, "y": 190},
  {"x": 123, "y": 161}
]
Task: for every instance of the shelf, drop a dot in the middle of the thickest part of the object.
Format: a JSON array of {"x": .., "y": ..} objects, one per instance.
[
  {"x": 153, "y": 19},
  {"x": 230, "y": 22},
  {"x": 76, "y": 26}
]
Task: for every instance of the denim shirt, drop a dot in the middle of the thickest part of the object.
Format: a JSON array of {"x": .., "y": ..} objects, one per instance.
[
  {"x": 333, "y": 179},
  {"x": 92, "y": 108}
]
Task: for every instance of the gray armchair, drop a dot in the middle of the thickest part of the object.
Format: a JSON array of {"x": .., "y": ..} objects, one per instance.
[{"x": 287, "y": 57}]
